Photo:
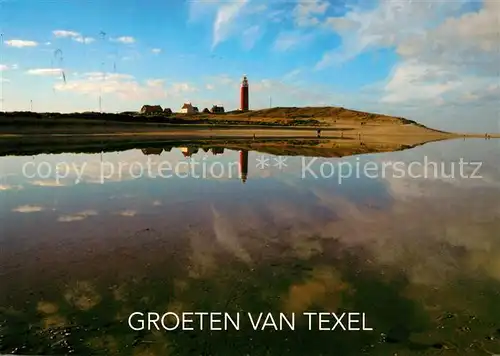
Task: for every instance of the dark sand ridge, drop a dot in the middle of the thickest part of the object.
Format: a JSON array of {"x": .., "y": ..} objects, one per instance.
[{"x": 343, "y": 131}]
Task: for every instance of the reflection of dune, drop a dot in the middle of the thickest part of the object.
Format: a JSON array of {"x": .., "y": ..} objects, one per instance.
[
  {"x": 83, "y": 296},
  {"x": 486, "y": 261},
  {"x": 123, "y": 314},
  {"x": 50, "y": 318},
  {"x": 227, "y": 236},
  {"x": 108, "y": 343},
  {"x": 158, "y": 346},
  {"x": 47, "y": 308},
  {"x": 120, "y": 293},
  {"x": 176, "y": 307},
  {"x": 54, "y": 321},
  {"x": 324, "y": 288},
  {"x": 307, "y": 248},
  {"x": 144, "y": 350}
]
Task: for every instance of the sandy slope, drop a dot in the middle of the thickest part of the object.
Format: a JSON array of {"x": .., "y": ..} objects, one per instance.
[{"x": 343, "y": 131}]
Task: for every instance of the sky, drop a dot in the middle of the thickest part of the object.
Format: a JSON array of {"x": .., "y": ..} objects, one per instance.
[{"x": 436, "y": 61}]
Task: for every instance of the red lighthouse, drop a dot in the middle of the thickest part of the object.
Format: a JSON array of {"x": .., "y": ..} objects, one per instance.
[{"x": 244, "y": 94}]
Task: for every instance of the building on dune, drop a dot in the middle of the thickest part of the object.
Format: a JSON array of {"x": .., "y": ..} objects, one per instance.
[
  {"x": 217, "y": 109},
  {"x": 167, "y": 111},
  {"x": 151, "y": 109},
  {"x": 187, "y": 108},
  {"x": 206, "y": 111}
]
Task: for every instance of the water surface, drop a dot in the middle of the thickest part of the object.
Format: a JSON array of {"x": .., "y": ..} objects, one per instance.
[{"x": 419, "y": 256}]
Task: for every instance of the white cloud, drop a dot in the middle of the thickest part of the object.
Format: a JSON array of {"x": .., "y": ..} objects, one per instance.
[
  {"x": 257, "y": 9},
  {"x": 226, "y": 15},
  {"x": 341, "y": 24},
  {"x": 292, "y": 74},
  {"x": 289, "y": 40},
  {"x": 65, "y": 34},
  {"x": 45, "y": 71},
  {"x": 21, "y": 43},
  {"x": 244, "y": 20},
  {"x": 387, "y": 25},
  {"x": 155, "y": 82},
  {"x": 224, "y": 80},
  {"x": 178, "y": 88},
  {"x": 448, "y": 55},
  {"x": 201, "y": 9},
  {"x": 104, "y": 76},
  {"x": 84, "y": 40},
  {"x": 124, "y": 39},
  {"x": 75, "y": 36},
  {"x": 470, "y": 42},
  {"x": 306, "y": 12},
  {"x": 451, "y": 65},
  {"x": 28, "y": 209},
  {"x": 250, "y": 36},
  {"x": 124, "y": 86},
  {"x": 156, "y": 50},
  {"x": 412, "y": 81}
]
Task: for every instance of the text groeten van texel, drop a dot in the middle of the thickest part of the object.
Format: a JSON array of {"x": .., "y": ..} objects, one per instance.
[{"x": 191, "y": 321}]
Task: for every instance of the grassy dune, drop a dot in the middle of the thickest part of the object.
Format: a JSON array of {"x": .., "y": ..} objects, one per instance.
[
  {"x": 344, "y": 131},
  {"x": 306, "y": 116}
]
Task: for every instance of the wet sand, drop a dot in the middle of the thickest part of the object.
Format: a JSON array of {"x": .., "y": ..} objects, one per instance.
[{"x": 335, "y": 141}]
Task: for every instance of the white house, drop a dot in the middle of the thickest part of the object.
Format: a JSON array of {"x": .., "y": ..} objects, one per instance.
[{"x": 187, "y": 108}]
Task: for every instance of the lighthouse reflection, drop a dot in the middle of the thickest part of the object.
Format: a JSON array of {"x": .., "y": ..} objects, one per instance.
[{"x": 243, "y": 165}]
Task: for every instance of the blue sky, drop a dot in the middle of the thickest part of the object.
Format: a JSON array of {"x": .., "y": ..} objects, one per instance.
[{"x": 435, "y": 62}]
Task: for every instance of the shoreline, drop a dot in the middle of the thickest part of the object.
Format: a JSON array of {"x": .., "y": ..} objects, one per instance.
[
  {"x": 267, "y": 141},
  {"x": 292, "y": 130}
]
